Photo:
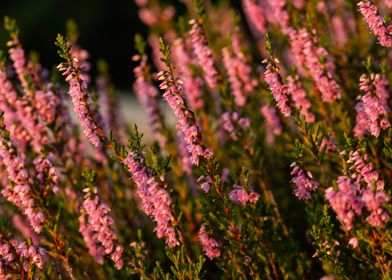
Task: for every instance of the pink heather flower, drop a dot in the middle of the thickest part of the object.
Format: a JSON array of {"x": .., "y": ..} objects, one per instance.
[
  {"x": 203, "y": 54},
  {"x": 78, "y": 93},
  {"x": 388, "y": 3},
  {"x": 153, "y": 41},
  {"x": 354, "y": 242},
  {"x": 97, "y": 252},
  {"x": 18, "y": 58},
  {"x": 254, "y": 16},
  {"x": 298, "y": 95},
  {"x": 272, "y": 124},
  {"x": 210, "y": 245},
  {"x": 346, "y": 202},
  {"x": 303, "y": 181},
  {"x": 100, "y": 225},
  {"x": 148, "y": 17},
  {"x": 206, "y": 185},
  {"x": 240, "y": 75},
  {"x": 306, "y": 50},
  {"x": 372, "y": 108},
  {"x": 84, "y": 66},
  {"x": 229, "y": 122},
  {"x": 19, "y": 193},
  {"x": 155, "y": 201},
  {"x": 31, "y": 255},
  {"x": 110, "y": 107},
  {"x": 364, "y": 170},
  {"x": 375, "y": 23},
  {"x": 279, "y": 91},
  {"x": 192, "y": 85},
  {"x": 46, "y": 173},
  {"x": 25, "y": 229},
  {"x": 373, "y": 200},
  {"x": 339, "y": 31},
  {"x": 183, "y": 153},
  {"x": 147, "y": 95},
  {"x": 280, "y": 14},
  {"x": 46, "y": 105},
  {"x": 299, "y": 4},
  {"x": 185, "y": 118},
  {"x": 239, "y": 195}
]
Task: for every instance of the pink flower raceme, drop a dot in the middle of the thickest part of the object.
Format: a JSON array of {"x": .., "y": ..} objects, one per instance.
[
  {"x": 373, "y": 200},
  {"x": 307, "y": 52},
  {"x": 372, "y": 108},
  {"x": 303, "y": 181},
  {"x": 240, "y": 196},
  {"x": 147, "y": 95},
  {"x": 279, "y": 91},
  {"x": 364, "y": 170},
  {"x": 78, "y": 93},
  {"x": 254, "y": 16},
  {"x": 12, "y": 253},
  {"x": 203, "y": 54},
  {"x": 185, "y": 118},
  {"x": 376, "y": 23},
  {"x": 272, "y": 124},
  {"x": 298, "y": 95},
  {"x": 155, "y": 201},
  {"x": 20, "y": 192},
  {"x": 192, "y": 85},
  {"x": 100, "y": 226},
  {"x": 240, "y": 75},
  {"x": 346, "y": 202},
  {"x": 230, "y": 121},
  {"x": 210, "y": 245},
  {"x": 280, "y": 14},
  {"x": 388, "y": 3},
  {"x": 94, "y": 250},
  {"x": 18, "y": 58}
]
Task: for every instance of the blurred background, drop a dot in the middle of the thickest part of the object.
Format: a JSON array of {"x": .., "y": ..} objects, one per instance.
[{"x": 106, "y": 28}]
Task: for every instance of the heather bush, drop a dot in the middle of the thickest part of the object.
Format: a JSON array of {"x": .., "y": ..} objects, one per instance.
[{"x": 269, "y": 157}]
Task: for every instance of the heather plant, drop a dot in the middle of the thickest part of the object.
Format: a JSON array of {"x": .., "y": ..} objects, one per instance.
[{"x": 269, "y": 157}]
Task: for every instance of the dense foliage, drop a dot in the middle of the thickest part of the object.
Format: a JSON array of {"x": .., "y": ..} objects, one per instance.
[{"x": 277, "y": 164}]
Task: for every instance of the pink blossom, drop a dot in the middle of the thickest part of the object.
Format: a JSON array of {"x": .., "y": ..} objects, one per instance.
[
  {"x": 185, "y": 118},
  {"x": 375, "y": 23},
  {"x": 230, "y": 122},
  {"x": 304, "y": 182},
  {"x": 20, "y": 193},
  {"x": 155, "y": 201},
  {"x": 339, "y": 30},
  {"x": 372, "y": 108},
  {"x": 203, "y": 54},
  {"x": 364, "y": 170},
  {"x": 279, "y": 91},
  {"x": 192, "y": 85},
  {"x": 147, "y": 95},
  {"x": 100, "y": 225},
  {"x": 271, "y": 124},
  {"x": 346, "y": 202},
  {"x": 299, "y": 4},
  {"x": 239, "y": 195},
  {"x": 240, "y": 75},
  {"x": 254, "y": 16},
  {"x": 210, "y": 245},
  {"x": 97, "y": 252},
  {"x": 354, "y": 242},
  {"x": 206, "y": 185},
  {"x": 79, "y": 96},
  {"x": 298, "y": 94},
  {"x": 307, "y": 52},
  {"x": 373, "y": 200},
  {"x": 153, "y": 41}
]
